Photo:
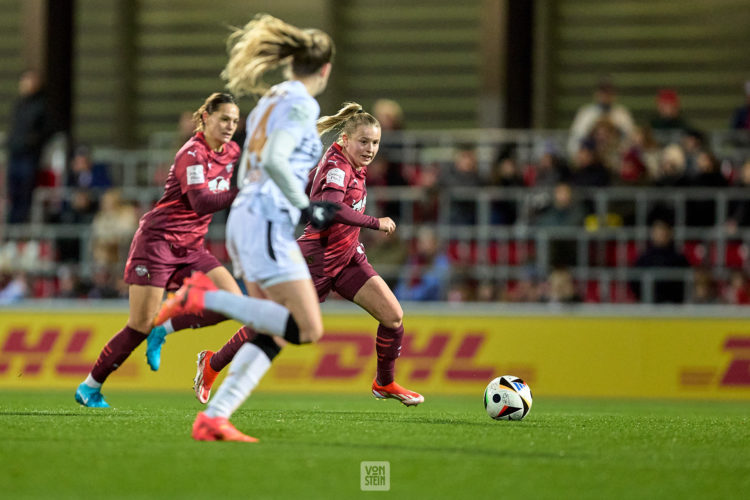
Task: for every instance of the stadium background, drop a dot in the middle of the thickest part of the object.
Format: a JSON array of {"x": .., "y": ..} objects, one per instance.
[{"x": 119, "y": 74}]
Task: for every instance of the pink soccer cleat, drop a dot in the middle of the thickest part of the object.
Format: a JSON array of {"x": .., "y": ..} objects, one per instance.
[
  {"x": 395, "y": 391},
  {"x": 206, "y": 428},
  {"x": 187, "y": 300}
]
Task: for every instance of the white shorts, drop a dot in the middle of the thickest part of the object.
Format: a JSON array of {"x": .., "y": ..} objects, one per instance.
[{"x": 263, "y": 251}]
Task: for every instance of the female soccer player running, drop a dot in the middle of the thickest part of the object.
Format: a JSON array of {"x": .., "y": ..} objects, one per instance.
[
  {"x": 282, "y": 146},
  {"x": 169, "y": 242},
  {"x": 335, "y": 256}
]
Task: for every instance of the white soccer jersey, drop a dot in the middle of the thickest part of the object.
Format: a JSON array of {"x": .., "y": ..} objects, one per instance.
[{"x": 290, "y": 107}]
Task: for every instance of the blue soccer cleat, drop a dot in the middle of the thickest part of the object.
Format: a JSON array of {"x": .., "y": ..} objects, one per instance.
[
  {"x": 90, "y": 397},
  {"x": 153, "y": 346}
]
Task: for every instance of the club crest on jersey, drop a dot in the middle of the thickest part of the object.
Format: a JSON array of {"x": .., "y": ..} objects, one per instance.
[{"x": 229, "y": 168}]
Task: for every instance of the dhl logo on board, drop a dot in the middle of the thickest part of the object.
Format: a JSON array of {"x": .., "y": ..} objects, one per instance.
[{"x": 556, "y": 356}]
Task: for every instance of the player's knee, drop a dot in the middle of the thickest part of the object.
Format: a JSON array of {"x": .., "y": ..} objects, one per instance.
[
  {"x": 314, "y": 333},
  {"x": 302, "y": 334},
  {"x": 393, "y": 320}
]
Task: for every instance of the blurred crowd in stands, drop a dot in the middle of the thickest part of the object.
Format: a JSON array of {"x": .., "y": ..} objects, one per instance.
[{"x": 605, "y": 147}]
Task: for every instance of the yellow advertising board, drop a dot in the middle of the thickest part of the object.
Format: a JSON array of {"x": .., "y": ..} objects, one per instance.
[{"x": 442, "y": 354}]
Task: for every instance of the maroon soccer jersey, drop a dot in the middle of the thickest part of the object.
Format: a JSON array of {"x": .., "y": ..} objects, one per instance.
[
  {"x": 196, "y": 167},
  {"x": 328, "y": 251}
]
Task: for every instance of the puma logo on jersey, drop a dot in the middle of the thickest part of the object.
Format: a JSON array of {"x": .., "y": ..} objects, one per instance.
[{"x": 193, "y": 153}]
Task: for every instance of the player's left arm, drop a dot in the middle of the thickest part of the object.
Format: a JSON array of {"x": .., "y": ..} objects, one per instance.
[{"x": 346, "y": 214}]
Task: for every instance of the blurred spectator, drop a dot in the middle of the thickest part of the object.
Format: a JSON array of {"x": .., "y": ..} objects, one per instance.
[
  {"x": 526, "y": 289},
  {"x": 561, "y": 288},
  {"x": 69, "y": 286},
  {"x": 103, "y": 285},
  {"x": 387, "y": 169},
  {"x": 463, "y": 172},
  {"x": 741, "y": 116},
  {"x": 14, "y": 290},
  {"x": 668, "y": 112},
  {"x": 185, "y": 129},
  {"x": 505, "y": 173},
  {"x": 705, "y": 288},
  {"x": 550, "y": 169},
  {"x": 29, "y": 130},
  {"x": 671, "y": 167},
  {"x": 112, "y": 229},
  {"x": 737, "y": 290},
  {"x": 587, "y": 169},
  {"x": 702, "y": 212},
  {"x": 661, "y": 252},
  {"x": 604, "y": 106},
  {"x": 693, "y": 143},
  {"x": 486, "y": 292},
  {"x": 389, "y": 114},
  {"x": 427, "y": 206},
  {"x": 87, "y": 174},
  {"x": 640, "y": 163},
  {"x": 80, "y": 209},
  {"x": 427, "y": 271},
  {"x": 565, "y": 211},
  {"x": 609, "y": 143},
  {"x": 739, "y": 210}
]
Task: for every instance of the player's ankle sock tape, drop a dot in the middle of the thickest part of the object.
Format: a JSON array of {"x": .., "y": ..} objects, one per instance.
[
  {"x": 267, "y": 345},
  {"x": 259, "y": 314},
  {"x": 291, "y": 333}
]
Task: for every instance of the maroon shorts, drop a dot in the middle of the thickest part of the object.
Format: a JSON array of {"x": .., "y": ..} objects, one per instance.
[
  {"x": 347, "y": 283},
  {"x": 153, "y": 261}
]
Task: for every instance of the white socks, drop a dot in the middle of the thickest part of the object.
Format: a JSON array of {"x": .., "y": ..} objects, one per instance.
[
  {"x": 91, "y": 382},
  {"x": 167, "y": 325},
  {"x": 264, "y": 316},
  {"x": 247, "y": 368}
]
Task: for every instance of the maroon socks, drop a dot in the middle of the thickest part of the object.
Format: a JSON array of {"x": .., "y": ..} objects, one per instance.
[
  {"x": 388, "y": 349},
  {"x": 223, "y": 356},
  {"x": 116, "y": 352},
  {"x": 208, "y": 318}
]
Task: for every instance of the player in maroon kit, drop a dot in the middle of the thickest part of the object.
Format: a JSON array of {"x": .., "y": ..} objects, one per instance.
[
  {"x": 169, "y": 243},
  {"x": 336, "y": 258}
]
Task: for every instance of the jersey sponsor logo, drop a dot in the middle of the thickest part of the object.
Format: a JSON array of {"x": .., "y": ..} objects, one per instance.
[
  {"x": 359, "y": 206},
  {"x": 219, "y": 184},
  {"x": 195, "y": 175},
  {"x": 335, "y": 176}
]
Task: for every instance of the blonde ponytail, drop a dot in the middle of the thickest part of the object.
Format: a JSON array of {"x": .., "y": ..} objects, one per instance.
[{"x": 266, "y": 43}]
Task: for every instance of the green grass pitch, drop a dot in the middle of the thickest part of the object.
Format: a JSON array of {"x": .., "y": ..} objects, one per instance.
[{"x": 312, "y": 445}]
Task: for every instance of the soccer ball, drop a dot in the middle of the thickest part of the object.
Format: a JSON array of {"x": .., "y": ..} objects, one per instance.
[{"x": 507, "y": 398}]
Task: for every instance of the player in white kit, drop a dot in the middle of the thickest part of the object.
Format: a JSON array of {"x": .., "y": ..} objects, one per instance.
[{"x": 282, "y": 146}]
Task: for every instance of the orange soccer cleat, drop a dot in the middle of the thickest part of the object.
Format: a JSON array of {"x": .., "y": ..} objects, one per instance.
[
  {"x": 188, "y": 299},
  {"x": 204, "y": 377},
  {"x": 395, "y": 391},
  {"x": 206, "y": 428}
]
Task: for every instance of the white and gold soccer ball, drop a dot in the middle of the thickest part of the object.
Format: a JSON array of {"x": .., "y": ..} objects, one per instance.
[{"x": 507, "y": 398}]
